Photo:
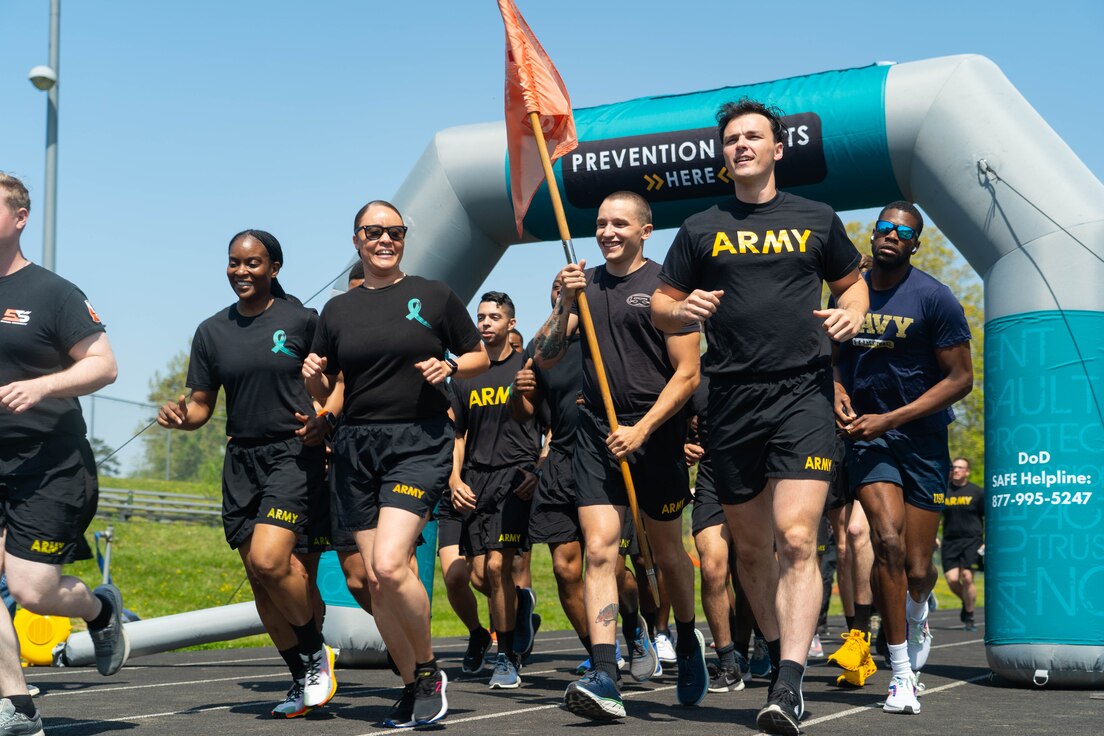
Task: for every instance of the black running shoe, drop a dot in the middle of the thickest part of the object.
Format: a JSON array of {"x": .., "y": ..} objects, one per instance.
[
  {"x": 430, "y": 702},
  {"x": 402, "y": 713},
  {"x": 693, "y": 674},
  {"x": 479, "y": 642},
  {"x": 724, "y": 679},
  {"x": 523, "y": 620},
  {"x": 536, "y": 628},
  {"x": 782, "y": 713}
]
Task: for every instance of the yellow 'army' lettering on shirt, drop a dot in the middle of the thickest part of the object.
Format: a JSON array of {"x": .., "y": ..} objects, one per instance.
[
  {"x": 774, "y": 241},
  {"x": 489, "y": 396}
]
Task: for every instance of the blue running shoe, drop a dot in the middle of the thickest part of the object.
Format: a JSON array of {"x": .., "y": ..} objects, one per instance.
[
  {"x": 760, "y": 665},
  {"x": 523, "y": 620},
  {"x": 693, "y": 674},
  {"x": 595, "y": 696},
  {"x": 586, "y": 665},
  {"x": 643, "y": 659},
  {"x": 505, "y": 676}
]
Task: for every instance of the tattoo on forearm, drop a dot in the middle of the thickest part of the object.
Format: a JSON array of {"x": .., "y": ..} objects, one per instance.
[
  {"x": 607, "y": 615},
  {"x": 551, "y": 339}
]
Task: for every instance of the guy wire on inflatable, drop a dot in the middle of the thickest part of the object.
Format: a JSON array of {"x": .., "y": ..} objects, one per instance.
[{"x": 951, "y": 134}]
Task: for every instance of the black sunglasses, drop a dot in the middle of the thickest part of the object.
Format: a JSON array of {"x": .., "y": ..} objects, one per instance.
[
  {"x": 375, "y": 232},
  {"x": 904, "y": 232}
]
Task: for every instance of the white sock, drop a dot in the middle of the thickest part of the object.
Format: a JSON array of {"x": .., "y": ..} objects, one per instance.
[
  {"x": 917, "y": 612},
  {"x": 899, "y": 660}
]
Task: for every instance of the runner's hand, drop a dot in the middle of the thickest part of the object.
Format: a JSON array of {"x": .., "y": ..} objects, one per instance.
[
  {"x": 698, "y": 306},
  {"x": 173, "y": 413},
  {"x": 625, "y": 440},
  {"x": 314, "y": 366},
  {"x": 463, "y": 498},
  {"x": 840, "y": 324},
  {"x": 842, "y": 406},
  {"x": 526, "y": 380},
  {"x": 693, "y": 452},
  {"x": 434, "y": 370},
  {"x": 573, "y": 279},
  {"x": 527, "y": 487},
  {"x": 869, "y": 427},
  {"x": 19, "y": 396},
  {"x": 313, "y": 431}
]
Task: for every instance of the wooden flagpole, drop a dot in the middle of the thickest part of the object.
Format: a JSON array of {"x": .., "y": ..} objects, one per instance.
[{"x": 592, "y": 343}]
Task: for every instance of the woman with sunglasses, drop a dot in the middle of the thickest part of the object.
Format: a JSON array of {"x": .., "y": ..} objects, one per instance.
[
  {"x": 383, "y": 346},
  {"x": 273, "y": 475}
]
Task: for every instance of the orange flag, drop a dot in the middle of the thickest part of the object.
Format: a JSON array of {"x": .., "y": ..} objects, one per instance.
[{"x": 532, "y": 85}]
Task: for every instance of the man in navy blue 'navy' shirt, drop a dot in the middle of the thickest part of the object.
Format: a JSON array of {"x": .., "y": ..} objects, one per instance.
[{"x": 895, "y": 383}]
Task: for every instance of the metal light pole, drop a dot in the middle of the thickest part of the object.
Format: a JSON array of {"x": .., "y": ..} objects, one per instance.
[{"x": 46, "y": 78}]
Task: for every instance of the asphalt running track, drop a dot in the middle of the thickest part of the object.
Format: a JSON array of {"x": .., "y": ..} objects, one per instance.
[{"x": 230, "y": 693}]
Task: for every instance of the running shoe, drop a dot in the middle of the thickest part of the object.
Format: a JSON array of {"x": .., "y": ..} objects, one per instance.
[
  {"x": 816, "y": 649},
  {"x": 969, "y": 625},
  {"x": 479, "y": 642},
  {"x": 536, "y": 627},
  {"x": 919, "y": 644},
  {"x": 505, "y": 676},
  {"x": 320, "y": 682},
  {"x": 665, "y": 649},
  {"x": 724, "y": 679},
  {"x": 595, "y": 696},
  {"x": 933, "y": 602},
  {"x": 402, "y": 713},
  {"x": 430, "y": 699},
  {"x": 745, "y": 668},
  {"x": 853, "y": 652},
  {"x": 760, "y": 658},
  {"x": 111, "y": 644},
  {"x": 902, "y": 696},
  {"x": 14, "y": 723},
  {"x": 523, "y": 620},
  {"x": 643, "y": 659},
  {"x": 783, "y": 711},
  {"x": 693, "y": 675},
  {"x": 33, "y": 690},
  {"x": 586, "y": 665},
  {"x": 292, "y": 704}
]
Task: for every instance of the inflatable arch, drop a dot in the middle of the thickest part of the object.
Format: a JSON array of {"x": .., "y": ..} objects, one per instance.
[
  {"x": 951, "y": 134},
  {"x": 955, "y": 136}
]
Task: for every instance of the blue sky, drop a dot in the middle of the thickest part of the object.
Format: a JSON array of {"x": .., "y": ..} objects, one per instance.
[{"x": 183, "y": 123}]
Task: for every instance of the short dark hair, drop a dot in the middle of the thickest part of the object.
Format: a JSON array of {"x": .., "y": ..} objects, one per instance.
[
  {"x": 748, "y": 106},
  {"x": 643, "y": 209},
  {"x": 373, "y": 203},
  {"x": 499, "y": 298},
  {"x": 516, "y": 331},
  {"x": 909, "y": 207},
  {"x": 357, "y": 271}
]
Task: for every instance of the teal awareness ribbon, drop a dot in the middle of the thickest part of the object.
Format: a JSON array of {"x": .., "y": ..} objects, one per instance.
[
  {"x": 279, "y": 338},
  {"x": 415, "y": 307}
]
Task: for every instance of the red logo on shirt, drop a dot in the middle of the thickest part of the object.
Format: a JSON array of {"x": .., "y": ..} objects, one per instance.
[
  {"x": 16, "y": 316},
  {"x": 92, "y": 312}
]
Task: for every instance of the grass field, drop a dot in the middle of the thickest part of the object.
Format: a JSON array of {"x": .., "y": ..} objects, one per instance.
[{"x": 165, "y": 568}]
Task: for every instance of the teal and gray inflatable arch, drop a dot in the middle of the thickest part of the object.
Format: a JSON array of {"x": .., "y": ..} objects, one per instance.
[{"x": 955, "y": 136}]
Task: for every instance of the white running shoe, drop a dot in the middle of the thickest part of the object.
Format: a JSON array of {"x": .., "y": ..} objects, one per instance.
[
  {"x": 320, "y": 683},
  {"x": 902, "y": 696},
  {"x": 919, "y": 644},
  {"x": 665, "y": 649}
]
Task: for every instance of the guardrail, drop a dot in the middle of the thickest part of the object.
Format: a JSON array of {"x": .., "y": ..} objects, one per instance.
[{"x": 159, "y": 506}]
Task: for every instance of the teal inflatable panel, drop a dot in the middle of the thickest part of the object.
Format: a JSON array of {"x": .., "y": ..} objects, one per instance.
[
  {"x": 331, "y": 578},
  {"x": 1044, "y": 465},
  {"x": 667, "y": 148}
]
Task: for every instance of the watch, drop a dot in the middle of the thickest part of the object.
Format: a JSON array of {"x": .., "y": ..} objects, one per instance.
[
  {"x": 453, "y": 366},
  {"x": 331, "y": 420}
]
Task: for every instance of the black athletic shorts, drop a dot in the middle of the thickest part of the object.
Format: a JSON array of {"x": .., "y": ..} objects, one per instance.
[
  {"x": 555, "y": 518},
  {"x": 707, "y": 510},
  {"x": 919, "y": 463},
  {"x": 840, "y": 492},
  {"x": 452, "y": 526},
  {"x": 402, "y": 465},
  {"x": 270, "y": 482},
  {"x": 501, "y": 518},
  {"x": 961, "y": 552},
  {"x": 319, "y": 534},
  {"x": 48, "y": 496},
  {"x": 659, "y": 472},
  {"x": 770, "y": 426},
  {"x": 341, "y": 539}
]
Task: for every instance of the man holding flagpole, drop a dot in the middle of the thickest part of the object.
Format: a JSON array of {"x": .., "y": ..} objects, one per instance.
[{"x": 750, "y": 269}]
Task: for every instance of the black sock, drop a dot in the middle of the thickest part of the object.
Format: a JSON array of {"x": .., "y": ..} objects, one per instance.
[
  {"x": 630, "y": 621},
  {"x": 650, "y": 619},
  {"x": 774, "y": 650},
  {"x": 480, "y": 634},
  {"x": 423, "y": 669},
  {"x": 861, "y": 621},
  {"x": 687, "y": 640},
  {"x": 850, "y": 620},
  {"x": 294, "y": 662},
  {"x": 506, "y": 642},
  {"x": 310, "y": 638},
  {"x": 106, "y": 612},
  {"x": 791, "y": 673},
  {"x": 727, "y": 656},
  {"x": 605, "y": 659},
  {"x": 586, "y": 646},
  {"x": 23, "y": 704}
]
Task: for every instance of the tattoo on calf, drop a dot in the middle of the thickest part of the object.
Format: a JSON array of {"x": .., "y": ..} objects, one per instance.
[{"x": 607, "y": 615}]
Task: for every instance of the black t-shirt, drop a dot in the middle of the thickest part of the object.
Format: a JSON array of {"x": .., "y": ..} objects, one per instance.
[
  {"x": 377, "y": 335},
  {"x": 42, "y": 317},
  {"x": 481, "y": 407},
  {"x": 770, "y": 260},
  {"x": 633, "y": 351},
  {"x": 259, "y": 360},
  {"x": 963, "y": 512},
  {"x": 560, "y": 386}
]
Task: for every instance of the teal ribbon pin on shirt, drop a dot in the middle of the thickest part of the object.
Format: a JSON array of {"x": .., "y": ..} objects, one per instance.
[
  {"x": 279, "y": 339},
  {"x": 415, "y": 307}
]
